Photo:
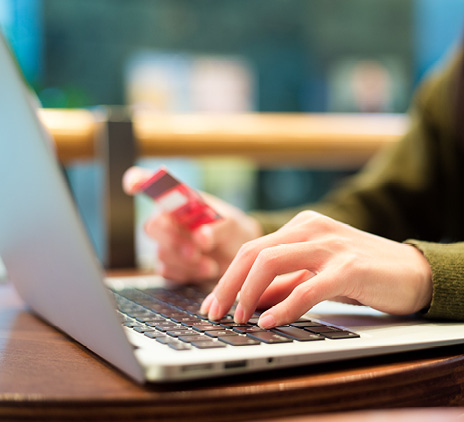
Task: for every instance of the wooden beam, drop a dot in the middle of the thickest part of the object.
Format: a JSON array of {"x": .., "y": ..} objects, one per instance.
[{"x": 336, "y": 141}]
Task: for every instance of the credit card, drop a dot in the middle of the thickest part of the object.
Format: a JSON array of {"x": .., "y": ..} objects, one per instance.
[{"x": 180, "y": 200}]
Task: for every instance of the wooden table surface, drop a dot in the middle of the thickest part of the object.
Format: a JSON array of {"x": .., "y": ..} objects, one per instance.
[{"x": 44, "y": 375}]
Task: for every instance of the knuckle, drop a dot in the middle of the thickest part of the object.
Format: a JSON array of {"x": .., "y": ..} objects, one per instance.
[
  {"x": 268, "y": 260},
  {"x": 286, "y": 312},
  {"x": 247, "y": 251},
  {"x": 336, "y": 243},
  {"x": 325, "y": 223},
  {"x": 315, "y": 219},
  {"x": 309, "y": 214},
  {"x": 304, "y": 294},
  {"x": 267, "y": 257}
]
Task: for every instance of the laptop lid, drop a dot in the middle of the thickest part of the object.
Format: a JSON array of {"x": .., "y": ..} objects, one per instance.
[{"x": 42, "y": 240}]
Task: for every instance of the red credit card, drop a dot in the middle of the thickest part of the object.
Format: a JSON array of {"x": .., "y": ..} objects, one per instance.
[{"x": 181, "y": 201}]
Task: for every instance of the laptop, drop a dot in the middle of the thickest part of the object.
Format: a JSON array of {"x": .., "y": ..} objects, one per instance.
[{"x": 143, "y": 326}]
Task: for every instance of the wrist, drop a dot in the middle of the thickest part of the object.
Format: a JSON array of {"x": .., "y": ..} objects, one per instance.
[{"x": 424, "y": 286}]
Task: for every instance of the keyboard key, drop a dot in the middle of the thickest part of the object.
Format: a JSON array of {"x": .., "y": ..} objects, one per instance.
[
  {"x": 165, "y": 326},
  {"x": 144, "y": 329},
  {"x": 298, "y": 334},
  {"x": 220, "y": 333},
  {"x": 180, "y": 332},
  {"x": 143, "y": 318},
  {"x": 178, "y": 345},
  {"x": 201, "y": 328},
  {"x": 208, "y": 344},
  {"x": 248, "y": 329},
  {"x": 254, "y": 320},
  {"x": 155, "y": 321},
  {"x": 135, "y": 314},
  {"x": 191, "y": 338},
  {"x": 322, "y": 329},
  {"x": 177, "y": 316},
  {"x": 132, "y": 324},
  {"x": 304, "y": 324},
  {"x": 239, "y": 340},
  {"x": 164, "y": 339},
  {"x": 188, "y": 321},
  {"x": 269, "y": 337},
  {"x": 225, "y": 320},
  {"x": 233, "y": 324},
  {"x": 335, "y": 335},
  {"x": 156, "y": 335}
]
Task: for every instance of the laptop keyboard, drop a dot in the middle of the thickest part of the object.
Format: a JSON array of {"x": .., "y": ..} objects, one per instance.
[{"x": 172, "y": 317}]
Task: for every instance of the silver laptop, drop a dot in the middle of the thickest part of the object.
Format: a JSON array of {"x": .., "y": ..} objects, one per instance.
[{"x": 151, "y": 332}]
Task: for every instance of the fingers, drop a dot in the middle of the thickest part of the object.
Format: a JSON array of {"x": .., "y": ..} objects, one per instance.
[
  {"x": 272, "y": 262},
  {"x": 344, "y": 263},
  {"x": 201, "y": 254},
  {"x": 255, "y": 266},
  {"x": 201, "y": 271},
  {"x": 230, "y": 284},
  {"x": 180, "y": 259},
  {"x": 302, "y": 298},
  {"x": 210, "y": 236},
  {"x": 306, "y": 243},
  {"x": 281, "y": 287}
]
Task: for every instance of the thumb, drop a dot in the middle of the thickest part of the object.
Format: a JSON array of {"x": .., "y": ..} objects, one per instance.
[{"x": 134, "y": 178}]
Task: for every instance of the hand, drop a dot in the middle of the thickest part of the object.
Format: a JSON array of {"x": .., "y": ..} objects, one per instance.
[
  {"x": 314, "y": 258},
  {"x": 199, "y": 255}
]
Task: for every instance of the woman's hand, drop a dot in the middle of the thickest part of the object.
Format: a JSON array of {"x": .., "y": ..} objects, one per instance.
[
  {"x": 314, "y": 258},
  {"x": 199, "y": 255}
]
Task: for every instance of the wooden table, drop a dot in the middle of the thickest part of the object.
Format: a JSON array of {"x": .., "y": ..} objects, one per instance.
[
  {"x": 44, "y": 375},
  {"x": 440, "y": 414}
]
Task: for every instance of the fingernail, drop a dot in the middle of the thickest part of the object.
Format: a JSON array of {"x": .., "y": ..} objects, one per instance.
[
  {"x": 267, "y": 321},
  {"x": 206, "y": 304},
  {"x": 215, "y": 310},
  {"x": 238, "y": 315}
]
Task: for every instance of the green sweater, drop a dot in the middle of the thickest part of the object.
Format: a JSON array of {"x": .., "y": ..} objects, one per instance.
[{"x": 412, "y": 192}]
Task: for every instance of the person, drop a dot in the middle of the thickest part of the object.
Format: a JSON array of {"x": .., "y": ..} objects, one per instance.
[{"x": 392, "y": 237}]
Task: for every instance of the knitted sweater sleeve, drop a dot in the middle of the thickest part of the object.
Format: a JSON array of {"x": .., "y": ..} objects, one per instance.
[{"x": 447, "y": 263}]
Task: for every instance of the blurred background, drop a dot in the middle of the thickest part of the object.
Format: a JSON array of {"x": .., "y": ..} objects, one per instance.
[{"x": 228, "y": 56}]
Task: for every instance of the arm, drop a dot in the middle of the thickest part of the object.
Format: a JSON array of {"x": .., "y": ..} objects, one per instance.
[
  {"x": 411, "y": 190},
  {"x": 405, "y": 191}
]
